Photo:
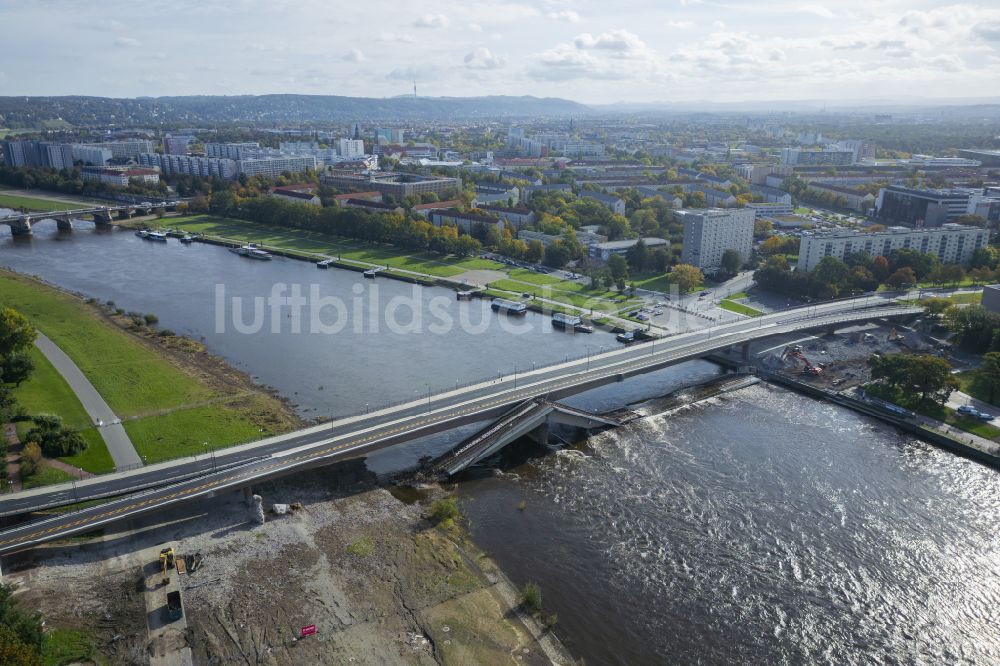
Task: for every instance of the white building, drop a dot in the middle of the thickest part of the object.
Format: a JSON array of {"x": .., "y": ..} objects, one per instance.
[
  {"x": 709, "y": 232},
  {"x": 233, "y": 151},
  {"x": 603, "y": 251},
  {"x": 826, "y": 156},
  {"x": 119, "y": 177},
  {"x": 274, "y": 167},
  {"x": 91, "y": 155},
  {"x": 205, "y": 167},
  {"x": 350, "y": 149},
  {"x": 127, "y": 150},
  {"x": 950, "y": 243}
]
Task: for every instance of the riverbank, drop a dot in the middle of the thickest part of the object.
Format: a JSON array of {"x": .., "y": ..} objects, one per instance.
[
  {"x": 545, "y": 291},
  {"x": 380, "y": 583},
  {"x": 174, "y": 397}
]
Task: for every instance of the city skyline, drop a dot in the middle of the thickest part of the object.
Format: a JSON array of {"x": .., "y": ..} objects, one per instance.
[{"x": 679, "y": 51}]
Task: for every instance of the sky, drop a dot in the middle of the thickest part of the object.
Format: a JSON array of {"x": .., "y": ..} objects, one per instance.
[{"x": 592, "y": 51}]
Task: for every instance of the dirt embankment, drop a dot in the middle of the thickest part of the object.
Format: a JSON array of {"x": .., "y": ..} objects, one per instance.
[{"x": 381, "y": 584}]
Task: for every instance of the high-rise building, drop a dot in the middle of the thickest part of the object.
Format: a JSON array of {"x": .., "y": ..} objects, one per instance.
[
  {"x": 350, "y": 148},
  {"x": 91, "y": 155},
  {"x": 177, "y": 144},
  {"x": 274, "y": 167},
  {"x": 950, "y": 243},
  {"x": 206, "y": 167},
  {"x": 709, "y": 232},
  {"x": 823, "y": 157},
  {"x": 233, "y": 151},
  {"x": 38, "y": 154}
]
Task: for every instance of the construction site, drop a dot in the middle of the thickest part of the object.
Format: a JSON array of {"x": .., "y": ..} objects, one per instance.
[{"x": 329, "y": 568}]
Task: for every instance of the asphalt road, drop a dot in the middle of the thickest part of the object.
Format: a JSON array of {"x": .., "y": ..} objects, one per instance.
[
  {"x": 109, "y": 425},
  {"x": 363, "y": 434}
]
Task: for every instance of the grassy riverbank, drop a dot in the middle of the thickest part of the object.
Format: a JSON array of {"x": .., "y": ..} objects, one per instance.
[
  {"x": 316, "y": 245},
  {"x": 18, "y": 202},
  {"x": 46, "y": 392},
  {"x": 319, "y": 245},
  {"x": 172, "y": 397}
]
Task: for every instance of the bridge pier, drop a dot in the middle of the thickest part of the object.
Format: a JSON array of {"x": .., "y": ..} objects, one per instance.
[
  {"x": 102, "y": 218},
  {"x": 21, "y": 227},
  {"x": 64, "y": 223},
  {"x": 745, "y": 351},
  {"x": 122, "y": 215}
]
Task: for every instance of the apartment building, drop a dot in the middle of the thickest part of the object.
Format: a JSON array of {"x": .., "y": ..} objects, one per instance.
[
  {"x": 950, "y": 243},
  {"x": 709, "y": 232}
]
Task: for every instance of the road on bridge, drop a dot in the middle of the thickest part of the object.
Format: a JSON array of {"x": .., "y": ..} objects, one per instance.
[{"x": 359, "y": 435}]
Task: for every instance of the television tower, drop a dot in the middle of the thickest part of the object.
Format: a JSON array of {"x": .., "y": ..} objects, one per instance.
[{"x": 414, "y": 88}]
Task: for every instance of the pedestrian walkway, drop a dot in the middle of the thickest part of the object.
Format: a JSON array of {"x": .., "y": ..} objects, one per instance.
[{"x": 110, "y": 426}]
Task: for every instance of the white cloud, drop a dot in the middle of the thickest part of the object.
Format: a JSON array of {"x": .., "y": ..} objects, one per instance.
[
  {"x": 615, "y": 40},
  {"x": 126, "y": 42},
  {"x": 414, "y": 73},
  {"x": 354, "y": 55},
  {"x": 567, "y": 15},
  {"x": 432, "y": 21},
  {"x": 396, "y": 37},
  {"x": 475, "y": 27},
  {"x": 483, "y": 58}
]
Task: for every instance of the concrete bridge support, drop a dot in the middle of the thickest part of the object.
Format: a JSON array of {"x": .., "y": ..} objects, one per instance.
[
  {"x": 64, "y": 223},
  {"x": 122, "y": 215},
  {"x": 102, "y": 218},
  {"x": 21, "y": 227}
]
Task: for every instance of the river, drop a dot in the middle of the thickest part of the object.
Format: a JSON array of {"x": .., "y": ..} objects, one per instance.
[{"x": 758, "y": 527}]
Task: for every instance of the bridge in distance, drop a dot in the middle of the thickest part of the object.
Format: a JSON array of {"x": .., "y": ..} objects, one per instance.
[{"x": 158, "y": 486}]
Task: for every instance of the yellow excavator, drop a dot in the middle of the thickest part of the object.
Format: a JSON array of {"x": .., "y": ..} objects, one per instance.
[{"x": 167, "y": 563}]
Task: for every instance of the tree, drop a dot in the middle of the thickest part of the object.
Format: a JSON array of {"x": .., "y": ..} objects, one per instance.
[
  {"x": 14, "y": 651},
  {"x": 535, "y": 251},
  {"x": 986, "y": 379},
  {"x": 16, "y": 368},
  {"x": 31, "y": 459},
  {"x": 686, "y": 277},
  {"x": 904, "y": 277},
  {"x": 661, "y": 260},
  {"x": 18, "y": 627},
  {"x": 880, "y": 268},
  {"x": 618, "y": 267},
  {"x": 936, "y": 306},
  {"x": 637, "y": 256},
  {"x": 731, "y": 262},
  {"x": 976, "y": 328},
  {"x": 55, "y": 440},
  {"x": 928, "y": 375},
  {"x": 16, "y": 332}
]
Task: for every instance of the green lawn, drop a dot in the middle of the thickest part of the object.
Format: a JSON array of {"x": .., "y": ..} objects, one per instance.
[
  {"x": 968, "y": 387},
  {"x": 164, "y": 409},
  {"x": 67, "y": 646},
  {"x": 46, "y": 392},
  {"x": 31, "y": 203},
  {"x": 184, "y": 432},
  {"x": 312, "y": 242},
  {"x": 739, "y": 308},
  {"x": 46, "y": 476},
  {"x": 975, "y": 426},
  {"x": 130, "y": 377}
]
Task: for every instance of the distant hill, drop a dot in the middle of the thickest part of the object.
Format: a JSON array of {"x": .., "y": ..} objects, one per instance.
[{"x": 17, "y": 112}]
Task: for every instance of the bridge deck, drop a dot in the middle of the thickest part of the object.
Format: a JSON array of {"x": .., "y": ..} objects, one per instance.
[{"x": 186, "y": 479}]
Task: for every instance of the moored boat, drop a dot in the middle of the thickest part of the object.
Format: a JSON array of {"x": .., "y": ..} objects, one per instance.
[
  {"x": 508, "y": 307},
  {"x": 565, "y": 321}
]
